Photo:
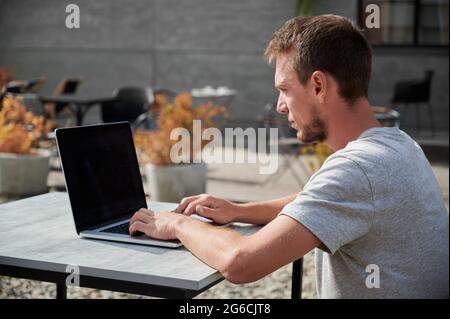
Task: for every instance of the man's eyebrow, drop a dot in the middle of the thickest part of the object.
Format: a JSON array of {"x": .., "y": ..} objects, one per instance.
[{"x": 280, "y": 84}]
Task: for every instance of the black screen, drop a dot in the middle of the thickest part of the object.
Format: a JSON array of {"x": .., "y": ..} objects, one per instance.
[{"x": 102, "y": 173}]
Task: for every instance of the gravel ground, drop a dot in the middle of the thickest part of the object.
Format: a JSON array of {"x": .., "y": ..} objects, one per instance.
[{"x": 276, "y": 285}]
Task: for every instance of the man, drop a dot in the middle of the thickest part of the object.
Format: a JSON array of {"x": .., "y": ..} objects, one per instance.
[{"x": 374, "y": 210}]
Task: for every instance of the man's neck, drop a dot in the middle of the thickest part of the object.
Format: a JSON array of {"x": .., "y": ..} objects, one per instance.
[{"x": 346, "y": 124}]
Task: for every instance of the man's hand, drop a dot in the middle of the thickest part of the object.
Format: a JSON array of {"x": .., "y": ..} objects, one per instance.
[
  {"x": 221, "y": 211},
  {"x": 159, "y": 226}
]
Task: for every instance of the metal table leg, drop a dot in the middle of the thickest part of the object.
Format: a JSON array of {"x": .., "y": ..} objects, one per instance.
[
  {"x": 297, "y": 274},
  {"x": 61, "y": 291}
]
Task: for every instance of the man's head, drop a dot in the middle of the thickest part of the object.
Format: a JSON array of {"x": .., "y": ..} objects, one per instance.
[{"x": 319, "y": 60}]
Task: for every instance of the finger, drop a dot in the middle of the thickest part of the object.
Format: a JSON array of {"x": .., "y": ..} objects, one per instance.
[
  {"x": 185, "y": 202},
  {"x": 204, "y": 201},
  {"x": 141, "y": 215},
  {"x": 138, "y": 226},
  {"x": 146, "y": 210},
  {"x": 206, "y": 211}
]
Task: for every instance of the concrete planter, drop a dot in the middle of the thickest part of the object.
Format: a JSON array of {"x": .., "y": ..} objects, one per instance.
[
  {"x": 173, "y": 182},
  {"x": 22, "y": 175}
]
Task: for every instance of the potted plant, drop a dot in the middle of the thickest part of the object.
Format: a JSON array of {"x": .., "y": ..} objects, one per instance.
[
  {"x": 23, "y": 166},
  {"x": 167, "y": 180}
]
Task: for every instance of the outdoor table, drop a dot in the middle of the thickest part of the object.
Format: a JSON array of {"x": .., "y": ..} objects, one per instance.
[
  {"x": 80, "y": 104},
  {"x": 38, "y": 241},
  {"x": 386, "y": 116},
  {"x": 215, "y": 95}
]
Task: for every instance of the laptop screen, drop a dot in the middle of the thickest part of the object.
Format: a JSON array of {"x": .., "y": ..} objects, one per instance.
[{"x": 102, "y": 173}]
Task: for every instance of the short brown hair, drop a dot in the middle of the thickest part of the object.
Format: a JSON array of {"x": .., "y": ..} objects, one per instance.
[{"x": 327, "y": 43}]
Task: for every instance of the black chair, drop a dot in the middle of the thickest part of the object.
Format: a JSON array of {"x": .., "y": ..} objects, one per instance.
[
  {"x": 417, "y": 92},
  {"x": 131, "y": 105},
  {"x": 54, "y": 111},
  {"x": 16, "y": 86},
  {"x": 66, "y": 86},
  {"x": 13, "y": 88},
  {"x": 22, "y": 87}
]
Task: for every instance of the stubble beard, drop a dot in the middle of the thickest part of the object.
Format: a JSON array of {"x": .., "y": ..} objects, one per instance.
[{"x": 315, "y": 131}]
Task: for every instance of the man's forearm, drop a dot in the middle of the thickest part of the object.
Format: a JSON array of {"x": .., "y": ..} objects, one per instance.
[
  {"x": 213, "y": 245},
  {"x": 261, "y": 213},
  {"x": 240, "y": 258}
]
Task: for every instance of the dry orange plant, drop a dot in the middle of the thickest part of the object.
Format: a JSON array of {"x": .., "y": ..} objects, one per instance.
[
  {"x": 20, "y": 131},
  {"x": 154, "y": 146}
]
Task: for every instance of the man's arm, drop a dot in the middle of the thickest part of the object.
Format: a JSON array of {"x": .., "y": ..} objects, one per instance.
[
  {"x": 223, "y": 211},
  {"x": 261, "y": 213},
  {"x": 239, "y": 258}
]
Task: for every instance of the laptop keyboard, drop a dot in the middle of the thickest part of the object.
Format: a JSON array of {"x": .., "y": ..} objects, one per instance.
[{"x": 118, "y": 229}]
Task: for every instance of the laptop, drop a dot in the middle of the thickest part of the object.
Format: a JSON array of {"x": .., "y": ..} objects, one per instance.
[{"x": 103, "y": 181}]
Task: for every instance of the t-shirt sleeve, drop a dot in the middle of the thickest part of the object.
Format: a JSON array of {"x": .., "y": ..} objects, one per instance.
[{"x": 336, "y": 205}]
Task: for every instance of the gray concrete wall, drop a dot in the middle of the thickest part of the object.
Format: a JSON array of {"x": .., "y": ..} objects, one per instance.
[
  {"x": 182, "y": 45},
  {"x": 166, "y": 43}
]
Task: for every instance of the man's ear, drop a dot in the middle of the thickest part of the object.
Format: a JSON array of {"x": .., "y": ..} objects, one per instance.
[{"x": 319, "y": 84}]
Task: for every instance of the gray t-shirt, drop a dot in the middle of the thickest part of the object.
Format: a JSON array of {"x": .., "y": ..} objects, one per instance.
[{"x": 377, "y": 209}]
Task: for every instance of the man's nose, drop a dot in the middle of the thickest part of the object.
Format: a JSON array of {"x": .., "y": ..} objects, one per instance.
[{"x": 282, "y": 106}]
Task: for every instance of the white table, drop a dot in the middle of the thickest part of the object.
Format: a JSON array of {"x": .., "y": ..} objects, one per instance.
[
  {"x": 38, "y": 241},
  {"x": 221, "y": 95}
]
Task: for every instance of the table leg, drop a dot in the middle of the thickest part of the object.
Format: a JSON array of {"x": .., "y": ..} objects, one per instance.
[
  {"x": 297, "y": 274},
  {"x": 61, "y": 291},
  {"x": 79, "y": 114}
]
